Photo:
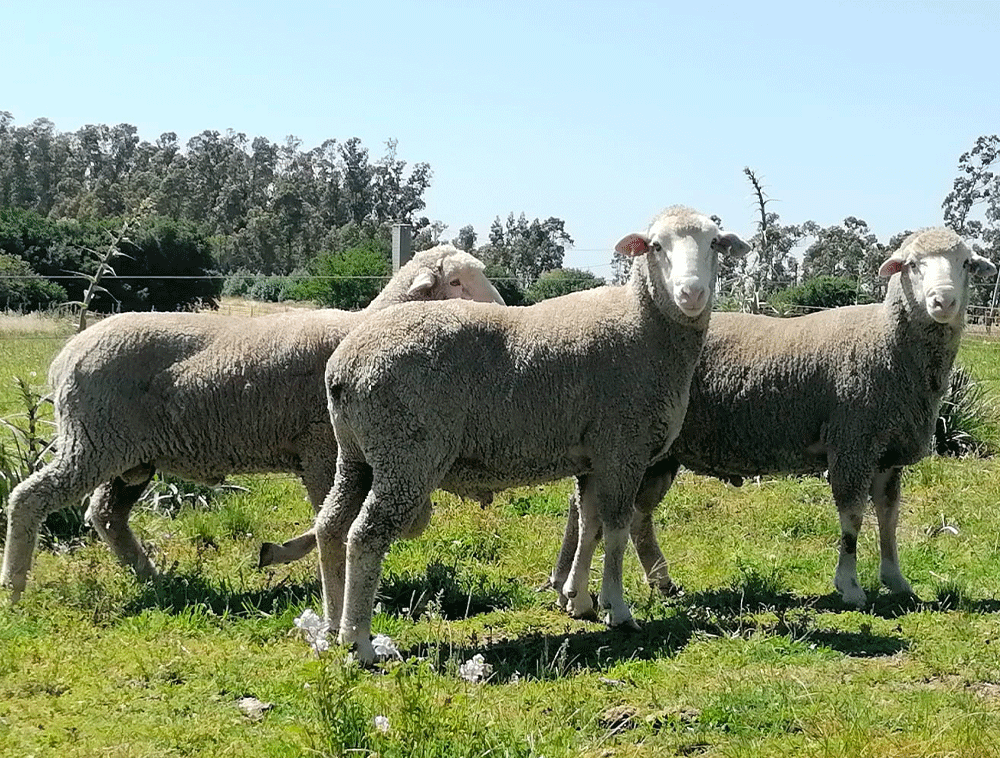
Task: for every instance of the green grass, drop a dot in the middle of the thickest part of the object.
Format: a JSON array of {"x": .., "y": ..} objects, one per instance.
[{"x": 758, "y": 657}]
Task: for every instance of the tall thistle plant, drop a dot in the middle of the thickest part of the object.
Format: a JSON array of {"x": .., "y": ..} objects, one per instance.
[{"x": 25, "y": 447}]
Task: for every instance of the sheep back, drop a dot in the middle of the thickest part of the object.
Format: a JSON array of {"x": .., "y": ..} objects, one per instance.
[
  {"x": 514, "y": 395},
  {"x": 776, "y": 395},
  {"x": 156, "y": 385}
]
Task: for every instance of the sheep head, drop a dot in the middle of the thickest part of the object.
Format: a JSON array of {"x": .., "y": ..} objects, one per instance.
[
  {"x": 934, "y": 266},
  {"x": 449, "y": 273},
  {"x": 683, "y": 246}
]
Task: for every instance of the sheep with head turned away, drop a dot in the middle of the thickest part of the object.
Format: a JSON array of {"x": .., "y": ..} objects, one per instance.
[
  {"x": 854, "y": 391},
  {"x": 476, "y": 398},
  {"x": 202, "y": 396}
]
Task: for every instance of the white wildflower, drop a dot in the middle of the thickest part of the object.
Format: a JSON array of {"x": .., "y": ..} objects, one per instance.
[
  {"x": 314, "y": 630},
  {"x": 515, "y": 677},
  {"x": 385, "y": 647},
  {"x": 382, "y": 724},
  {"x": 475, "y": 669}
]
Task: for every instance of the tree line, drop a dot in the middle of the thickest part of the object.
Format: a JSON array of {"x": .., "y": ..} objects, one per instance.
[
  {"x": 801, "y": 266},
  {"x": 227, "y": 214},
  {"x": 223, "y": 205}
]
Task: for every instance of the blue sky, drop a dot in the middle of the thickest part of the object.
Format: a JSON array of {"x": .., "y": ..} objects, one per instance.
[{"x": 598, "y": 113}]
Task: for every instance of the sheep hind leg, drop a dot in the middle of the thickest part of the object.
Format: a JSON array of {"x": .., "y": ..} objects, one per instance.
[
  {"x": 299, "y": 547},
  {"x": 56, "y": 485},
  {"x": 885, "y": 495},
  {"x": 340, "y": 509},
  {"x": 384, "y": 517},
  {"x": 109, "y": 510},
  {"x": 288, "y": 551},
  {"x": 655, "y": 484}
]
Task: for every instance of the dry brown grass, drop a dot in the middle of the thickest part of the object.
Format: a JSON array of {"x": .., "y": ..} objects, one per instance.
[
  {"x": 238, "y": 306},
  {"x": 35, "y": 323}
]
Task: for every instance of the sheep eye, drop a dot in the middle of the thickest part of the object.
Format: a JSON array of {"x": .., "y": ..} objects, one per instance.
[
  {"x": 455, "y": 282},
  {"x": 657, "y": 246},
  {"x": 914, "y": 265}
]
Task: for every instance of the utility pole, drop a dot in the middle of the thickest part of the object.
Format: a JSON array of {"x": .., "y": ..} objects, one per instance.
[{"x": 402, "y": 246}]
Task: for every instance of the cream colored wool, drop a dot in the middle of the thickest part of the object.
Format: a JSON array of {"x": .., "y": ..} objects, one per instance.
[
  {"x": 852, "y": 390},
  {"x": 201, "y": 396}
]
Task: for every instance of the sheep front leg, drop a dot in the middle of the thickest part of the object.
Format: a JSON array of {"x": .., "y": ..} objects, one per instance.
[
  {"x": 885, "y": 495},
  {"x": 851, "y": 497},
  {"x": 612, "y": 596},
  {"x": 579, "y": 603}
]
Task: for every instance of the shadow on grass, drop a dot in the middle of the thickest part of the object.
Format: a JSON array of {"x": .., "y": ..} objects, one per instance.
[
  {"x": 451, "y": 594},
  {"x": 179, "y": 593},
  {"x": 441, "y": 587},
  {"x": 550, "y": 656}
]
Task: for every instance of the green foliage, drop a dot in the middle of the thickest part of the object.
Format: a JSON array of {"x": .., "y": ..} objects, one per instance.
[
  {"x": 967, "y": 420},
  {"x": 527, "y": 248},
  {"x": 271, "y": 207},
  {"x": 164, "y": 248},
  {"x": 818, "y": 293},
  {"x": 348, "y": 280},
  {"x": 506, "y": 284},
  {"x": 561, "y": 281},
  {"x": 21, "y": 289},
  {"x": 156, "y": 248},
  {"x": 25, "y": 448}
]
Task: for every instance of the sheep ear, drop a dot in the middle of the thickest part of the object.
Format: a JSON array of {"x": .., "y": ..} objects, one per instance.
[
  {"x": 732, "y": 244},
  {"x": 980, "y": 266},
  {"x": 890, "y": 266},
  {"x": 423, "y": 283},
  {"x": 633, "y": 244}
]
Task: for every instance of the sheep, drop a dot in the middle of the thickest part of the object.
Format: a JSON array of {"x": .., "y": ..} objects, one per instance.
[
  {"x": 202, "y": 396},
  {"x": 476, "y": 398},
  {"x": 853, "y": 390}
]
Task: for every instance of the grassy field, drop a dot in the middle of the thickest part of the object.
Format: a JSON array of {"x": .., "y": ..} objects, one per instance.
[{"x": 757, "y": 658}]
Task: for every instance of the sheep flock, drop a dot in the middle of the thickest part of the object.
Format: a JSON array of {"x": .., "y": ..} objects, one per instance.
[{"x": 439, "y": 385}]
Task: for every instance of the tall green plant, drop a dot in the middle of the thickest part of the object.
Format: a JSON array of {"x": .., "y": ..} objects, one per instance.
[{"x": 966, "y": 423}]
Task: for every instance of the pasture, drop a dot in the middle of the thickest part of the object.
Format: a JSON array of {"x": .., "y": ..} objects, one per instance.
[{"x": 758, "y": 657}]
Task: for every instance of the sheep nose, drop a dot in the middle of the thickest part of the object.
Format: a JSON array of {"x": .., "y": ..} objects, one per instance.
[
  {"x": 692, "y": 297},
  {"x": 944, "y": 302}
]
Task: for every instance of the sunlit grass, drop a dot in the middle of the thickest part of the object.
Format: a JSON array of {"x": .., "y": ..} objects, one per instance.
[{"x": 758, "y": 657}]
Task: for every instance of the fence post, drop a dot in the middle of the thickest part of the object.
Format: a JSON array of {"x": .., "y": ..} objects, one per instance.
[{"x": 402, "y": 246}]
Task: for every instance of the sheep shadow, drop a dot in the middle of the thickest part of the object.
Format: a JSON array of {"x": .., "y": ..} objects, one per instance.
[
  {"x": 440, "y": 587},
  {"x": 452, "y": 594},
  {"x": 177, "y": 593},
  {"x": 549, "y": 656}
]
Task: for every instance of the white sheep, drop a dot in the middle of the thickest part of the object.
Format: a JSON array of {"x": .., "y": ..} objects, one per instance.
[
  {"x": 852, "y": 390},
  {"x": 202, "y": 396},
  {"x": 477, "y": 398}
]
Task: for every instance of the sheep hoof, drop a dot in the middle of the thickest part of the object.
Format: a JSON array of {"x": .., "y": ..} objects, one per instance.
[
  {"x": 628, "y": 625},
  {"x": 266, "y": 556},
  {"x": 590, "y": 615},
  {"x": 668, "y": 588}
]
